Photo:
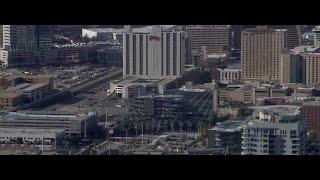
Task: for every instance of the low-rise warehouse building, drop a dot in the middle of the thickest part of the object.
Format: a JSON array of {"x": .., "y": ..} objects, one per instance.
[
  {"x": 22, "y": 135},
  {"x": 72, "y": 123}
]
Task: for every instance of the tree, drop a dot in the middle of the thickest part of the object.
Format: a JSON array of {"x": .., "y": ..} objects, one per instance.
[{"x": 289, "y": 91}]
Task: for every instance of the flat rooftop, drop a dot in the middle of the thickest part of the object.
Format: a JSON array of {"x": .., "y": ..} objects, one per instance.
[
  {"x": 264, "y": 30},
  {"x": 105, "y": 30},
  {"x": 148, "y": 29},
  {"x": 161, "y": 96},
  {"x": 311, "y": 103},
  {"x": 285, "y": 110},
  {"x": 229, "y": 126},
  {"x": 139, "y": 81},
  {"x": 18, "y": 87},
  {"x": 30, "y": 131},
  {"x": 43, "y": 115},
  {"x": 34, "y": 87}
]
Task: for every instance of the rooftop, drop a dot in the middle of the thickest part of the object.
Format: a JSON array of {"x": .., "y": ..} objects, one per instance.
[
  {"x": 229, "y": 126},
  {"x": 282, "y": 110},
  {"x": 18, "y": 87},
  {"x": 34, "y": 87},
  {"x": 264, "y": 29},
  {"x": 42, "y": 115},
  {"x": 9, "y": 94},
  {"x": 161, "y": 96},
  {"x": 305, "y": 49},
  {"x": 31, "y": 131},
  {"x": 311, "y": 103},
  {"x": 264, "y": 125},
  {"x": 105, "y": 30},
  {"x": 148, "y": 29}
]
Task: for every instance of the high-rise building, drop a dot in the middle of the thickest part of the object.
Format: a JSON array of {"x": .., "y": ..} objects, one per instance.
[
  {"x": 216, "y": 38},
  {"x": 261, "y": 49},
  {"x": 275, "y": 130},
  {"x": 301, "y": 65},
  {"x": 291, "y": 66},
  {"x": 18, "y": 37},
  {"x": 44, "y": 36},
  {"x": 316, "y": 32},
  {"x": 236, "y": 36},
  {"x": 153, "y": 52},
  {"x": 21, "y": 44},
  {"x": 293, "y": 38},
  {"x": 311, "y": 67}
]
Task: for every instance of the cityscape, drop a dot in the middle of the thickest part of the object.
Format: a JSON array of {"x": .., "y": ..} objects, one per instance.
[{"x": 159, "y": 90}]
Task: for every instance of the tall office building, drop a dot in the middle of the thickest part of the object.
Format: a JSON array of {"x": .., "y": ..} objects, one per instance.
[
  {"x": 216, "y": 38},
  {"x": 275, "y": 130},
  {"x": 291, "y": 66},
  {"x": 18, "y": 37},
  {"x": 153, "y": 52},
  {"x": 21, "y": 44},
  {"x": 18, "y": 45},
  {"x": 236, "y": 36},
  {"x": 311, "y": 66},
  {"x": 261, "y": 49},
  {"x": 293, "y": 38},
  {"x": 316, "y": 32},
  {"x": 301, "y": 65},
  {"x": 44, "y": 36}
]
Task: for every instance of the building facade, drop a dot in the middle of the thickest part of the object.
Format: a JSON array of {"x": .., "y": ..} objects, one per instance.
[
  {"x": 261, "y": 50},
  {"x": 290, "y": 68},
  {"x": 72, "y": 123},
  {"x": 275, "y": 130},
  {"x": 22, "y": 44},
  {"x": 316, "y": 36},
  {"x": 226, "y": 135},
  {"x": 227, "y": 76},
  {"x": 301, "y": 65},
  {"x": 242, "y": 94},
  {"x": 217, "y": 38},
  {"x": 294, "y": 36},
  {"x": 311, "y": 68},
  {"x": 153, "y": 52},
  {"x": 10, "y": 99},
  {"x": 310, "y": 111},
  {"x": 110, "y": 56}
]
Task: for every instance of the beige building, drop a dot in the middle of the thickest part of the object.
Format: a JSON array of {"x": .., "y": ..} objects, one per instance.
[
  {"x": 261, "y": 51},
  {"x": 291, "y": 66},
  {"x": 215, "y": 37},
  {"x": 294, "y": 34},
  {"x": 301, "y": 65},
  {"x": 311, "y": 64},
  {"x": 237, "y": 94},
  {"x": 9, "y": 99}
]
